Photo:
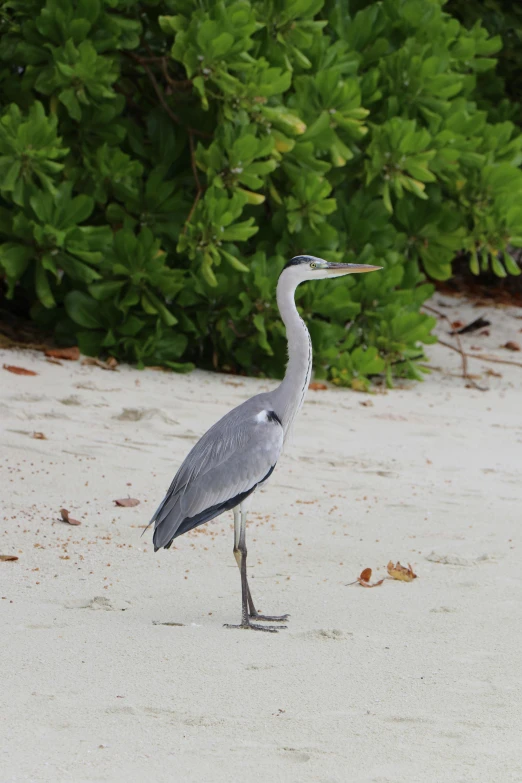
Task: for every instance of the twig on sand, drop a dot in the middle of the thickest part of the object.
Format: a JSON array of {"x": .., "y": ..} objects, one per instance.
[
  {"x": 459, "y": 349},
  {"x": 484, "y": 358}
]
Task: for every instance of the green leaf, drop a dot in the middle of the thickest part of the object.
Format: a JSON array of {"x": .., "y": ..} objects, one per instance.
[
  {"x": 498, "y": 267},
  {"x": 70, "y": 101},
  {"x": 83, "y": 309},
  {"x": 208, "y": 274},
  {"x": 90, "y": 343},
  {"x": 165, "y": 314},
  {"x": 234, "y": 262},
  {"x": 259, "y": 323},
  {"x": 14, "y": 259},
  {"x": 474, "y": 262},
  {"x": 8, "y": 180},
  {"x": 511, "y": 265},
  {"x": 79, "y": 209},
  {"x": 43, "y": 289},
  {"x": 106, "y": 290}
]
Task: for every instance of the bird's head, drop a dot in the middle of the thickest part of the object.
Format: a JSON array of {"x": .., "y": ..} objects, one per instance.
[{"x": 303, "y": 268}]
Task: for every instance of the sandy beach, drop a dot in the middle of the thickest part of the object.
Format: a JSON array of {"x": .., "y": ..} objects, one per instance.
[{"x": 417, "y": 681}]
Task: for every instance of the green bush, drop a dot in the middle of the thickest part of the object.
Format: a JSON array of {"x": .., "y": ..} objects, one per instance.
[
  {"x": 160, "y": 161},
  {"x": 502, "y": 18}
]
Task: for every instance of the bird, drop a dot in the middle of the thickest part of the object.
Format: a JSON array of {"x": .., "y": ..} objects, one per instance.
[{"x": 239, "y": 453}]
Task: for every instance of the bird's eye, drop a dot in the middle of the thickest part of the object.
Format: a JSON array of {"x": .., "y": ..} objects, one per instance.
[{"x": 313, "y": 265}]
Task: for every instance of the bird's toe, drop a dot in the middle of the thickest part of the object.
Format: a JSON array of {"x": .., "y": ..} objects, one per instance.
[
  {"x": 254, "y": 627},
  {"x": 276, "y": 618}
]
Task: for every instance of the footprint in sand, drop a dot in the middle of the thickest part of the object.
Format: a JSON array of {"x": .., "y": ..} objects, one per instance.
[
  {"x": 144, "y": 414},
  {"x": 296, "y": 755},
  {"x": 72, "y": 400},
  {"x": 452, "y": 558},
  {"x": 98, "y": 602},
  {"x": 320, "y": 634}
]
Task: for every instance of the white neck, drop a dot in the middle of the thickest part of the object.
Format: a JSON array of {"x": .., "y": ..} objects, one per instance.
[{"x": 289, "y": 395}]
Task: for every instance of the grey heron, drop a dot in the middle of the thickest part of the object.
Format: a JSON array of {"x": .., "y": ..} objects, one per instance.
[{"x": 239, "y": 453}]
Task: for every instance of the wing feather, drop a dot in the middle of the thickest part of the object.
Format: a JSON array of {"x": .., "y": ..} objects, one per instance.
[{"x": 231, "y": 459}]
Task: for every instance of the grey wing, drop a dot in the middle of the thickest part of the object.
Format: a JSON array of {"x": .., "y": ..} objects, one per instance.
[{"x": 225, "y": 466}]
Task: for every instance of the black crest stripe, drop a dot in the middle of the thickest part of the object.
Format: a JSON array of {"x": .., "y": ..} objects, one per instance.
[{"x": 296, "y": 261}]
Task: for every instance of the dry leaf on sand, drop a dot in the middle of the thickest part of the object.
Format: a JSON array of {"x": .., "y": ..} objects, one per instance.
[
  {"x": 127, "y": 502},
  {"x": 67, "y": 518},
  {"x": 7, "y": 558},
  {"x": 18, "y": 370},
  {"x": 364, "y": 579},
  {"x": 317, "y": 386},
  {"x": 71, "y": 354},
  {"x": 400, "y": 572},
  {"x": 110, "y": 364},
  {"x": 511, "y": 345},
  {"x": 39, "y": 436}
]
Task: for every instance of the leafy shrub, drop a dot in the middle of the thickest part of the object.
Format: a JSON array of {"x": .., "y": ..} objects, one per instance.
[
  {"x": 502, "y": 18},
  {"x": 160, "y": 160}
]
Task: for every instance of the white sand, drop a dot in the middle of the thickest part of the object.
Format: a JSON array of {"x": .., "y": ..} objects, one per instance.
[{"x": 405, "y": 682}]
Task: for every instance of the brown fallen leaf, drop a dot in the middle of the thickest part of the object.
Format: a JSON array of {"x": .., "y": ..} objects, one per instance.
[
  {"x": 474, "y": 326},
  {"x": 317, "y": 386},
  {"x": 511, "y": 346},
  {"x": 364, "y": 579},
  {"x": 7, "y": 558},
  {"x": 71, "y": 354},
  {"x": 54, "y": 361},
  {"x": 127, "y": 502},
  {"x": 67, "y": 518},
  {"x": 39, "y": 436},
  {"x": 367, "y": 584},
  {"x": 494, "y": 374},
  {"x": 18, "y": 370},
  {"x": 110, "y": 364},
  {"x": 400, "y": 572}
]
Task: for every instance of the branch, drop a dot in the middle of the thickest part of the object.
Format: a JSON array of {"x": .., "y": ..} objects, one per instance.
[
  {"x": 155, "y": 84},
  {"x": 196, "y": 179},
  {"x": 143, "y": 62},
  {"x": 180, "y": 84},
  {"x": 459, "y": 349},
  {"x": 484, "y": 358}
]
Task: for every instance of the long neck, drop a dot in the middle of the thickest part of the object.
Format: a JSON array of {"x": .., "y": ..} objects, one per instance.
[{"x": 289, "y": 395}]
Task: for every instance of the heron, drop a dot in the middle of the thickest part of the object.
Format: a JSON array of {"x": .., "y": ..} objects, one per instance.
[{"x": 238, "y": 454}]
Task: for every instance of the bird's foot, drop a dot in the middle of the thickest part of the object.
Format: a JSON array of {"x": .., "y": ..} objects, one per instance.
[
  {"x": 252, "y": 626},
  {"x": 281, "y": 618}
]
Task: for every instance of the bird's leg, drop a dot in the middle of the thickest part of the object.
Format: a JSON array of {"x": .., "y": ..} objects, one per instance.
[
  {"x": 252, "y": 609},
  {"x": 237, "y": 555},
  {"x": 240, "y": 553}
]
